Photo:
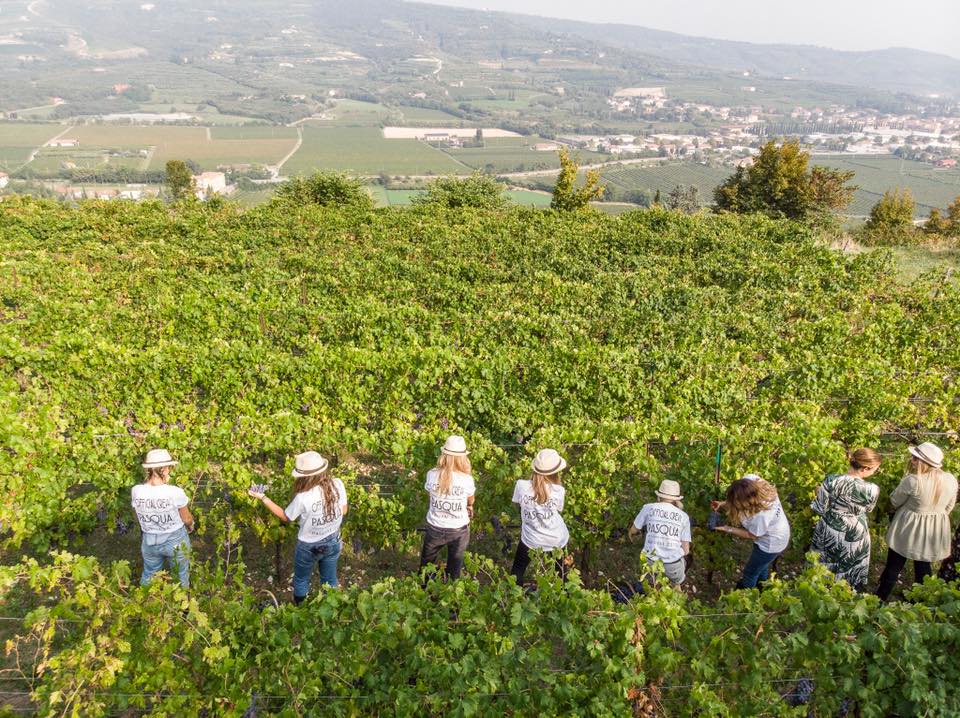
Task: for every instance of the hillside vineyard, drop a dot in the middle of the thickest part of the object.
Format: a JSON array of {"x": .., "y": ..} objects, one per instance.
[{"x": 635, "y": 343}]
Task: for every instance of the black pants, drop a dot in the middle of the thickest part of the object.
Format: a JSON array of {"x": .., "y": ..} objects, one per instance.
[
  {"x": 455, "y": 540},
  {"x": 522, "y": 559},
  {"x": 891, "y": 572}
]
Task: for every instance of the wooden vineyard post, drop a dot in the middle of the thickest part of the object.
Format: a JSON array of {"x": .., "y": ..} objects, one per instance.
[{"x": 718, "y": 462}]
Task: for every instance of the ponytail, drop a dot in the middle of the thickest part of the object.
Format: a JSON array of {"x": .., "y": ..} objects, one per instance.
[{"x": 541, "y": 486}]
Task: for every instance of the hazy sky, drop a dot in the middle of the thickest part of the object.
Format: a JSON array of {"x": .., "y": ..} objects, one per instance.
[{"x": 932, "y": 25}]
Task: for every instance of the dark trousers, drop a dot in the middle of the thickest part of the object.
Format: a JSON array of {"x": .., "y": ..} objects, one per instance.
[
  {"x": 891, "y": 572},
  {"x": 522, "y": 559},
  {"x": 757, "y": 569},
  {"x": 455, "y": 540}
]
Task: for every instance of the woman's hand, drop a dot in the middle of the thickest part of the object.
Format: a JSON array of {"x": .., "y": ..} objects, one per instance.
[
  {"x": 717, "y": 505},
  {"x": 258, "y": 495}
]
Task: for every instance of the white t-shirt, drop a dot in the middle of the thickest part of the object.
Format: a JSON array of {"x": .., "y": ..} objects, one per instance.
[
  {"x": 667, "y": 527},
  {"x": 542, "y": 525},
  {"x": 158, "y": 507},
  {"x": 771, "y": 528},
  {"x": 449, "y": 511},
  {"x": 308, "y": 507}
]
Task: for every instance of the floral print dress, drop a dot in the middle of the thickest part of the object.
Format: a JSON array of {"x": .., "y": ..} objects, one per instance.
[
  {"x": 842, "y": 536},
  {"x": 948, "y": 569}
]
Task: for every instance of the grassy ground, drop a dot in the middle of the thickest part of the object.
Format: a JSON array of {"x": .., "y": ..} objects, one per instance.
[{"x": 912, "y": 262}]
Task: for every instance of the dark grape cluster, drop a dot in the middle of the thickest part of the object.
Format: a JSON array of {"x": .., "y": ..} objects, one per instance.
[
  {"x": 121, "y": 526},
  {"x": 714, "y": 520},
  {"x": 802, "y": 693}
]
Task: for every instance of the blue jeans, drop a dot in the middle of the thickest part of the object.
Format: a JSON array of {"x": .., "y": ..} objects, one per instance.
[
  {"x": 173, "y": 550},
  {"x": 757, "y": 568},
  {"x": 325, "y": 552}
]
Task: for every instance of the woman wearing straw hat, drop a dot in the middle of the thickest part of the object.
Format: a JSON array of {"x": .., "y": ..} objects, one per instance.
[
  {"x": 541, "y": 500},
  {"x": 320, "y": 503},
  {"x": 753, "y": 503},
  {"x": 164, "y": 519},
  {"x": 451, "y": 489},
  {"x": 842, "y": 536},
  {"x": 920, "y": 529},
  {"x": 668, "y": 531}
]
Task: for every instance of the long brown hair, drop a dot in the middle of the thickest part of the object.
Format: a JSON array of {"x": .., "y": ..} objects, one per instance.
[
  {"x": 157, "y": 472},
  {"x": 747, "y": 497},
  {"x": 325, "y": 482},
  {"x": 541, "y": 486},
  {"x": 923, "y": 471},
  {"x": 864, "y": 459},
  {"x": 446, "y": 465}
]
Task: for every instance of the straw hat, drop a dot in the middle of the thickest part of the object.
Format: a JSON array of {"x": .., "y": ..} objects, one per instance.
[
  {"x": 454, "y": 446},
  {"x": 928, "y": 453},
  {"x": 669, "y": 490},
  {"x": 158, "y": 458},
  {"x": 548, "y": 462},
  {"x": 309, "y": 463}
]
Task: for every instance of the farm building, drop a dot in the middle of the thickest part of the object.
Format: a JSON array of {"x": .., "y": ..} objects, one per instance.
[
  {"x": 209, "y": 183},
  {"x": 947, "y": 163},
  {"x": 63, "y": 142},
  {"x": 4, "y": 179}
]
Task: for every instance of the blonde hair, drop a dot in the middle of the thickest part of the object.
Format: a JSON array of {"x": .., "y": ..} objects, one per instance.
[
  {"x": 325, "y": 482},
  {"x": 541, "y": 486},
  {"x": 746, "y": 498},
  {"x": 446, "y": 465},
  {"x": 864, "y": 459},
  {"x": 923, "y": 471}
]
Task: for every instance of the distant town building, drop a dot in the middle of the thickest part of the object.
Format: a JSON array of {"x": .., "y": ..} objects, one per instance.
[
  {"x": 208, "y": 183},
  {"x": 947, "y": 163},
  {"x": 63, "y": 142},
  {"x": 4, "y": 179}
]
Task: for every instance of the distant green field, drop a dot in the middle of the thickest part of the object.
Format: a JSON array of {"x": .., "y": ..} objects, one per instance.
[
  {"x": 19, "y": 139},
  {"x": 358, "y": 114},
  {"x": 666, "y": 177},
  {"x": 931, "y": 187},
  {"x": 365, "y": 151},
  {"x": 515, "y": 154},
  {"x": 51, "y": 160},
  {"x": 253, "y": 132},
  {"x": 414, "y": 116},
  {"x": 193, "y": 143}
]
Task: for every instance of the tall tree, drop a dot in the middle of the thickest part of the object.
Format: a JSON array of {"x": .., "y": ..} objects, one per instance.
[
  {"x": 567, "y": 197},
  {"x": 179, "y": 180},
  {"x": 891, "y": 218},
  {"x": 328, "y": 189},
  {"x": 478, "y": 190},
  {"x": 780, "y": 184},
  {"x": 936, "y": 223},
  {"x": 953, "y": 218},
  {"x": 684, "y": 198}
]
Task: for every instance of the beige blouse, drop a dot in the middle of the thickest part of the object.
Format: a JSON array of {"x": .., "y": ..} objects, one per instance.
[{"x": 920, "y": 530}]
